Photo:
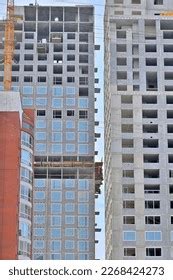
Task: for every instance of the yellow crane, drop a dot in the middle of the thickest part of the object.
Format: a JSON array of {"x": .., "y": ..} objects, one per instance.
[{"x": 9, "y": 45}]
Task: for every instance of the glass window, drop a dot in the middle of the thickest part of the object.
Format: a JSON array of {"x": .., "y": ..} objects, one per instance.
[
  {"x": 57, "y": 91},
  {"x": 83, "y": 245},
  {"x": 129, "y": 235},
  {"x": 56, "y": 184},
  {"x": 153, "y": 252},
  {"x": 56, "y": 221},
  {"x": 70, "y": 148},
  {"x": 55, "y": 233},
  {"x": 25, "y": 230},
  {"x": 83, "y": 137},
  {"x": 153, "y": 236},
  {"x": 26, "y": 101},
  {"x": 41, "y": 101},
  {"x": 26, "y": 157},
  {"x": 83, "y": 149},
  {"x": 69, "y": 207},
  {"x": 70, "y": 136},
  {"x": 57, "y": 148},
  {"x": 69, "y": 183},
  {"x": 56, "y": 196},
  {"x": 70, "y": 124},
  {"x": 56, "y": 125},
  {"x": 83, "y": 103},
  {"x": 40, "y": 220},
  {"x": 27, "y": 140},
  {"x": 56, "y": 246},
  {"x": 40, "y": 124},
  {"x": 171, "y": 236},
  {"x": 40, "y": 136},
  {"x": 69, "y": 244},
  {"x": 70, "y": 232},
  {"x": 83, "y": 208},
  {"x": 83, "y": 257},
  {"x": 41, "y": 90},
  {"x": 39, "y": 244},
  {"x": 129, "y": 252},
  {"x": 27, "y": 90},
  {"x": 57, "y": 137},
  {"x": 56, "y": 257},
  {"x": 56, "y": 208},
  {"x": 83, "y": 221},
  {"x": 83, "y": 126},
  {"x": 40, "y": 183},
  {"x": 83, "y": 196},
  {"x": 70, "y": 195},
  {"x": 83, "y": 184},
  {"x": 83, "y": 233},
  {"x": 57, "y": 102},
  {"x": 70, "y": 101},
  {"x": 39, "y": 195},
  {"x": 70, "y": 90},
  {"x": 40, "y": 147},
  {"x": 39, "y": 232},
  {"x": 69, "y": 256},
  {"x": 69, "y": 220},
  {"x": 39, "y": 207}
]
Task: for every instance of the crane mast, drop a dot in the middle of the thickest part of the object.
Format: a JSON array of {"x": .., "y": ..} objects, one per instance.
[{"x": 9, "y": 45}]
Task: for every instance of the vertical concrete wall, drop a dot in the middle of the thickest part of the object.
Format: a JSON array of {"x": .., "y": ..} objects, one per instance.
[{"x": 9, "y": 183}]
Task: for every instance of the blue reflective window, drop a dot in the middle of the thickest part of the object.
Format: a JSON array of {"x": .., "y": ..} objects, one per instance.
[
  {"x": 83, "y": 245},
  {"x": 70, "y": 195},
  {"x": 69, "y": 207},
  {"x": 56, "y": 208},
  {"x": 83, "y": 208},
  {"x": 41, "y": 101},
  {"x": 40, "y": 124},
  {"x": 70, "y": 124},
  {"x": 55, "y": 257},
  {"x": 56, "y": 221},
  {"x": 70, "y": 90},
  {"x": 70, "y": 232},
  {"x": 25, "y": 229},
  {"x": 56, "y": 125},
  {"x": 40, "y": 136},
  {"x": 57, "y": 91},
  {"x": 56, "y": 184},
  {"x": 83, "y": 126},
  {"x": 40, "y": 183},
  {"x": 83, "y": 103},
  {"x": 56, "y": 246},
  {"x": 39, "y": 195},
  {"x": 40, "y": 147},
  {"x": 55, "y": 233},
  {"x": 83, "y": 233},
  {"x": 69, "y": 256},
  {"x": 129, "y": 235},
  {"x": 70, "y": 148},
  {"x": 153, "y": 236},
  {"x": 41, "y": 90},
  {"x": 39, "y": 244},
  {"x": 39, "y": 207},
  {"x": 14, "y": 88},
  {"x": 57, "y": 148},
  {"x": 69, "y": 220},
  {"x": 83, "y": 137},
  {"x": 83, "y": 257},
  {"x": 83, "y": 149},
  {"x": 27, "y": 90},
  {"x": 39, "y": 231},
  {"x": 83, "y": 221},
  {"x": 83, "y": 184},
  {"x": 83, "y": 196},
  {"x": 39, "y": 220},
  {"x": 70, "y": 101},
  {"x": 56, "y": 196},
  {"x": 56, "y": 137},
  {"x": 69, "y": 244},
  {"x": 70, "y": 136},
  {"x": 57, "y": 102},
  {"x": 69, "y": 183},
  {"x": 26, "y": 101}
]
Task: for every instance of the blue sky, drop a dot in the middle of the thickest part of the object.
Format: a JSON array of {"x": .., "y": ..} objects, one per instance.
[{"x": 99, "y": 11}]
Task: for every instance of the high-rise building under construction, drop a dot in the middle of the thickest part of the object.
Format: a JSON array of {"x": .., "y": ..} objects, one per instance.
[
  {"x": 139, "y": 129},
  {"x": 53, "y": 69}
]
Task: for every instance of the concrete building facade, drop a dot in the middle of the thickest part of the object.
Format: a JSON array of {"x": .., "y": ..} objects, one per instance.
[
  {"x": 54, "y": 70},
  {"x": 138, "y": 129}
]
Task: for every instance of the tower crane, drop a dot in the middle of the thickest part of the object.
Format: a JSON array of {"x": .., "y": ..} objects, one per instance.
[{"x": 9, "y": 45}]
